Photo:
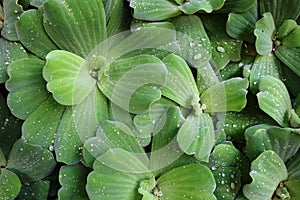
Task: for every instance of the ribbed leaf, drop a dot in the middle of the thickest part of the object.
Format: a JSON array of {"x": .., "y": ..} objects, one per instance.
[
  {"x": 75, "y": 26},
  {"x": 37, "y": 3},
  {"x": 242, "y": 25},
  {"x": 30, "y": 162},
  {"x": 290, "y": 57},
  {"x": 206, "y": 77},
  {"x": 286, "y": 27},
  {"x": 12, "y": 11},
  {"x": 236, "y": 6},
  {"x": 9, "y": 52},
  {"x": 154, "y": 10},
  {"x": 73, "y": 180},
  {"x": 179, "y": 72},
  {"x": 264, "y": 31},
  {"x": 194, "y": 42},
  {"x": 194, "y": 181},
  {"x": 196, "y": 136},
  {"x": 26, "y": 86},
  {"x": 281, "y": 9},
  {"x": 293, "y": 38},
  {"x": 10, "y": 184},
  {"x": 134, "y": 83},
  {"x": 193, "y": 6},
  {"x": 35, "y": 190},
  {"x": 267, "y": 171},
  {"x": 293, "y": 167},
  {"x": 274, "y": 99},
  {"x": 262, "y": 66},
  {"x": 293, "y": 188},
  {"x": 229, "y": 95},
  {"x": 32, "y": 34},
  {"x": 69, "y": 77}
]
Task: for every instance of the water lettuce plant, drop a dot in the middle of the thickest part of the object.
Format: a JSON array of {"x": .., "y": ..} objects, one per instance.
[{"x": 149, "y": 100}]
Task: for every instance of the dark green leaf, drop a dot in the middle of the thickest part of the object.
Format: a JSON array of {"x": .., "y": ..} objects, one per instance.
[
  {"x": 290, "y": 57},
  {"x": 236, "y": 6},
  {"x": 293, "y": 167},
  {"x": 292, "y": 39},
  {"x": 10, "y": 184},
  {"x": 26, "y": 86},
  {"x": 32, "y": 34},
  {"x": 34, "y": 191},
  {"x": 264, "y": 31},
  {"x": 193, "y": 6},
  {"x": 30, "y": 162},
  {"x": 293, "y": 188},
  {"x": 225, "y": 155},
  {"x": 196, "y": 136},
  {"x": 229, "y": 95},
  {"x": 267, "y": 171},
  {"x": 73, "y": 181},
  {"x": 75, "y": 26},
  {"x": 69, "y": 77},
  {"x": 9, "y": 52},
  {"x": 274, "y": 99},
  {"x": 2, "y": 158},
  {"x": 154, "y": 10},
  {"x": 206, "y": 77},
  {"x": 286, "y": 27}
]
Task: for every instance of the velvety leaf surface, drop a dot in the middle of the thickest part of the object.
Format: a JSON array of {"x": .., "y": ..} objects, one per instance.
[
  {"x": 32, "y": 34},
  {"x": 229, "y": 95},
  {"x": 12, "y": 11},
  {"x": 69, "y": 77},
  {"x": 236, "y": 6},
  {"x": 9, "y": 52},
  {"x": 73, "y": 180},
  {"x": 281, "y": 9},
  {"x": 264, "y": 31},
  {"x": 26, "y": 86},
  {"x": 290, "y": 57},
  {"x": 154, "y": 10},
  {"x": 193, "y": 6},
  {"x": 30, "y": 162},
  {"x": 134, "y": 83},
  {"x": 75, "y": 26},
  {"x": 36, "y": 190},
  {"x": 267, "y": 171},
  {"x": 10, "y": 184},
  {"x": 274, "y": 99},
  {"x": 242, "y": 25},
  {"x": 194, "y": 181},
  {"x": 196, "y": 136},
  {"x": 180, "y": 86},
  {"x": 262, "y": 66}
]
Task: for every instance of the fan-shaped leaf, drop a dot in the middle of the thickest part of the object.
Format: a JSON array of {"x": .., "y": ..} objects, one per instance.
[
  {"x": 154, "y": 10},
  {"x": 75, "y": 26},
  {"x": 69, "y": 77},
  {"x": 293, "y": 167},
  {"x": 274, "y": 99},
  {"x": 236, "y": 6},
  {"x": 264, "y": 31},
  {"x": 292, "y": 39},
  {"x": 267, "y": 171},
  {"x": 286, "y": 27},
  {"x": 30, "y": 162},
  {"x": 193, "y": 6},
  {"x": 35, "y": 190},
  {"x": 32, "y": 34},
  {"x": 290, "y": 57},
  {"x": 10, "y": 184}
]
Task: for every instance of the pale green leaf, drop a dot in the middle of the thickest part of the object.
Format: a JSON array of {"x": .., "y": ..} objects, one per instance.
[
  {"x": 286, "y": 27},
  {"x": 10, "y": 184},
  {"x": 292, "y": 39},
  {"x": 193, "y": 6},
  {"x": 290, "y": 57}
]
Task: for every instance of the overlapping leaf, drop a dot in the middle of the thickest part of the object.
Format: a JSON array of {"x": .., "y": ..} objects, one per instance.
[
  {"x": 290, "y": 57},
  {"x": 35, "y": 190},
  {"x": 193, "y": 6},
  {"x": 10, "y": 184}
]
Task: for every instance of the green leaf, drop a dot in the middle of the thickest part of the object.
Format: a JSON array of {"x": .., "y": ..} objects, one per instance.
[
  {"x": 196, "y": 136},
  {"x": 75, "y": 26},
  {"x": 236, "y": 6},
  {"x": 12, "y": 11},
  {"x": 101, "y": 183},
  {"x": 293, "y": 167},
  {"x": 10, "y": 184},
  {"x": 293, "y": 188},
  {"x": 206, "y": 77},
  {"x": 69, "y": 77},
  {"x": 290, "y": 57},
  {"x": 32, "y": 34},
  {"x": 194, "y": 43},
  {"x": 154, "y": 10},
  {"x": 229, "y": 95},
  {"x": 281, "y": 9},
  {"x": 9, "y": 52},
  {"x": 264, "y": 31},
  {"x": 262, "y": 66},
  {"x": 2, "y": 158},
  {"x": 73, "y": 180},
  {"x": 242, "y": 25},
  {"x": 286, "y": 27},
  {"x": 193, "y": 6},
  {"x": 37, "y": 3},
  {"x": 40, "y": 130},
  {"x": 292, "y": 39},
  {"x": 35, "y": 190},
  {"x": 193, "y": 181},
  {"x": 30, "y": 162},
  {"x": 274, "y": 99},
  {"x": 282, "y": 141},
  {"x": 179, "y": 72},
  {"x": 267, "y": 171},
  {"x": 26, "y": 86},
  {"x": 134, "y": 83}
]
